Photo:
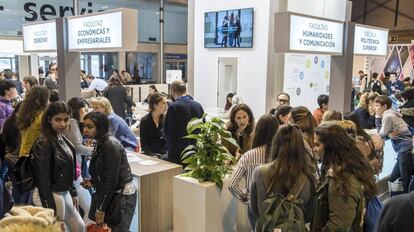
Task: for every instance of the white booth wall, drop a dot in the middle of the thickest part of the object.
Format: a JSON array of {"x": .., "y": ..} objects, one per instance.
[{"x": 252, "y": 62}]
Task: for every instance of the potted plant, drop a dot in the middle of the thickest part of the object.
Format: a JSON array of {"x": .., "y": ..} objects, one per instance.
[{"x": 201, "y": 199}]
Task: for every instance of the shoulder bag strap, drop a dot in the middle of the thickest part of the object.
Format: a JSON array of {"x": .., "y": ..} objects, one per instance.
[{"x": 297, "y": 187}]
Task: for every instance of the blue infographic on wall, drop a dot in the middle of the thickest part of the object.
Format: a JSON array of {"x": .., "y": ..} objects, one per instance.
[{"x": 305, "y": 78}]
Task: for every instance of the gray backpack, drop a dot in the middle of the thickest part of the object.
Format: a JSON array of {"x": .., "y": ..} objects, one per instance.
[{"x": 281, "y": 213}]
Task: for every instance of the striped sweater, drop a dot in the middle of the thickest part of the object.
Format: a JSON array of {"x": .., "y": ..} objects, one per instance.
[{"x": 245, "y": 167}]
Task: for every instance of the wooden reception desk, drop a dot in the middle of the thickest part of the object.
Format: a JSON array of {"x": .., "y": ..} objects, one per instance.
[{"x": 154, "y": 178}]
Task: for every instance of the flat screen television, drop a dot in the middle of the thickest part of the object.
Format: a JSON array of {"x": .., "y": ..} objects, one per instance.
[{"x": 229, "y": 28}]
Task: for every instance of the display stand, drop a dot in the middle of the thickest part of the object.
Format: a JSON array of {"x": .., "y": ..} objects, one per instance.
[
  {"x": 154, "y": 178},
  {"x": 202, "y": 207}
]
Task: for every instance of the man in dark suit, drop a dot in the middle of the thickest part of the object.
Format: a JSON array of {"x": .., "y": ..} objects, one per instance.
[{"x": 179, "y": 114}]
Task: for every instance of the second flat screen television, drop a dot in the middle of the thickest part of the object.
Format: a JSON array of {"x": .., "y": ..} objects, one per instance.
[{"x": 229, "y": 29}]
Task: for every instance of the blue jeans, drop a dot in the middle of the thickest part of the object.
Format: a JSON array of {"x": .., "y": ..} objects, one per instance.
[
  {"x": 128, "y": 204},
  {"x": 3, "y": 171},
  {"x": 403, "y": 169}
]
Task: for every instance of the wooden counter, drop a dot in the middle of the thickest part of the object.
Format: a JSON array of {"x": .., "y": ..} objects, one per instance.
[{"x": 155, "y": 192}]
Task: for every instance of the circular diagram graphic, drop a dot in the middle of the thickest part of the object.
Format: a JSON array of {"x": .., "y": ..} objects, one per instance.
[
  {"x": 315, "y": 60},
  {"x": 308, "y": 63},
  {"x": 322, "y": 64},
  {"x": 301, "y": 75},
  {"x": 298, "y": 91}
]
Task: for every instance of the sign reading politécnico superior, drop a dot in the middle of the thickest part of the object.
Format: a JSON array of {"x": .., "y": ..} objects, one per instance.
[
  {"x": 95, "y": 32},
  {"x": 39, "y": 37},
  {"x": 370, "y": 41},
  {"x": 315, "y": 35}
]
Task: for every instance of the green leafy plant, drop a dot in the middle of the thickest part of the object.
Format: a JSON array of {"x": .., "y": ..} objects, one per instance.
[{"x": 208, "y": 159}]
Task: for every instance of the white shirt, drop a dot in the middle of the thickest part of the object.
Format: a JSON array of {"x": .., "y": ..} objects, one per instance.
[{"x": 97, "y": 84}]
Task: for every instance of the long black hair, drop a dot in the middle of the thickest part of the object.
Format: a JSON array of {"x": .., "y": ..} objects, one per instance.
[
  {"x": 53, "y": 109},
  {"x": 75, "y": 104},
  {"x": 265, "y": 130},
  {"x": 101, "y": 123}
]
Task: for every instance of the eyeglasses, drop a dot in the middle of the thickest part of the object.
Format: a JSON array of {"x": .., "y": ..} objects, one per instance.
[{"x": 283, "y": 100}]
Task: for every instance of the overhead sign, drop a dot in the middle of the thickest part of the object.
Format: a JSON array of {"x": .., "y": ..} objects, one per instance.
[
  {"x": 113, "y": 30},
  {"x": 370, "y": 41},
  {"x": 315, "y": 35},
  {"x": 101, "y": 31},
  {"x": 40, "y": 37}
]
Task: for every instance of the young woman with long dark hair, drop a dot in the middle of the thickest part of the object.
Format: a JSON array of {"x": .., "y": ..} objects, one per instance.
[
  {"x": 288, "y": 167},
  {"x": 346, "y": 182},
  {"x": 151, "y": 126},
  {"x": 303, "y": 118},
  {"x": 111, "y": 176},
  {"x": 54, "y": 167},
  {"x": 262, "y": 141},
  {"x": 78, "y": 108}
]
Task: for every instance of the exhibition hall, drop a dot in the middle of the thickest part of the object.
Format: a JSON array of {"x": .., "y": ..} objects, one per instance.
[{"x": 206, "y": 116}]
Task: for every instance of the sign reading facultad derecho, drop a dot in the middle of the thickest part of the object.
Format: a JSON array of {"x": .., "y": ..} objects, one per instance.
[
  {"x": 315, "y": 35},
  {"x": 39, "y": 37},
  {"x": 99, "y": 31},
  {"x": 370, "y": 41}
]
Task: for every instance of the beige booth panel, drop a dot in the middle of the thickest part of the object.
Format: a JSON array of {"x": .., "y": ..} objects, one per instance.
[{"x": 155, "y": 191}]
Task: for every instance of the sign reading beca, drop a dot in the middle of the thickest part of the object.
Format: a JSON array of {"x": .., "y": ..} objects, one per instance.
[
  {"x": 39, "y": 37},
  {"x": 370, "y": 41},
  {"x": 315, "y": 35},
  {"x": 95, "y": 32}
]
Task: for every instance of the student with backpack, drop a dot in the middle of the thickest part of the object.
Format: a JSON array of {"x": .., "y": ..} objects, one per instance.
[
  {"x": 287, "y": 181},
  {"x": 346, "y": 182},
  {"x": 376, "y": 85}
]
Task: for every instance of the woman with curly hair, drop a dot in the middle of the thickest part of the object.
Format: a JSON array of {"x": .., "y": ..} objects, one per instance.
[
  {"x": 346, "y": 181},
  {"x": 29, "y": 117}
]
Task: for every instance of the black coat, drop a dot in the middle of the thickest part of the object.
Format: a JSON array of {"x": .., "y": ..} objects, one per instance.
[
  {"x": 397, "y": 214},
  {"x": 118, "y": 97},
  {"x": 109, "y": 169},
  {"x": 178, "y": 115},
  {"x": 152, "y": 139},
  {"x": 53, "y": 168}
]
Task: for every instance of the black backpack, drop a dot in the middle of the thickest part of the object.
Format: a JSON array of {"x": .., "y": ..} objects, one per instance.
[
  {"x": 376, "y": 87},
  {"x": 279, "y": 212}
]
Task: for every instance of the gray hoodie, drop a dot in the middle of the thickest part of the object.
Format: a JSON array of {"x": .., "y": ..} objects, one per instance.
[{"x": 392, "y": 121}]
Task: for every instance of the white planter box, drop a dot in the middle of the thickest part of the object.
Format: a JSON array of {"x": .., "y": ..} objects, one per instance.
[{"x": 201, "y": 207}]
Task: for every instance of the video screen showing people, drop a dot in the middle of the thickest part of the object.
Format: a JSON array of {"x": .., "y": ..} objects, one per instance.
[{"x": 229, "y": 29}]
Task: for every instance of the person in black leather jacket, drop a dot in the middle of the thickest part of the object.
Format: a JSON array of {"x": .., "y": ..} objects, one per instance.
[
  {"x": 54, "y": 167},
  {"x": 110, "y": 172}
]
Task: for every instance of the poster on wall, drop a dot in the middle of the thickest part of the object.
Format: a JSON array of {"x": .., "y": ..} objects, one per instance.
[
  {"x": 399, "y": 60},
  {"x": 305, "y": 78},
  {"x": 173, "y": 75}
]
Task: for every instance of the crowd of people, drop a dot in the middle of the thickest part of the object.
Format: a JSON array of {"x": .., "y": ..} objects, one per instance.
[
  {"x": 60, "y": 156},
  {"x": 328, "y": 158},
  {"x": 323, "y": 162}
]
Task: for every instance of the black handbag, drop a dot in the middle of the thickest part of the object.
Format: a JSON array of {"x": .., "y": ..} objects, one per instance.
[
  {"x": 113, "y": 214},
  {"x": 23, "y": 173}
]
